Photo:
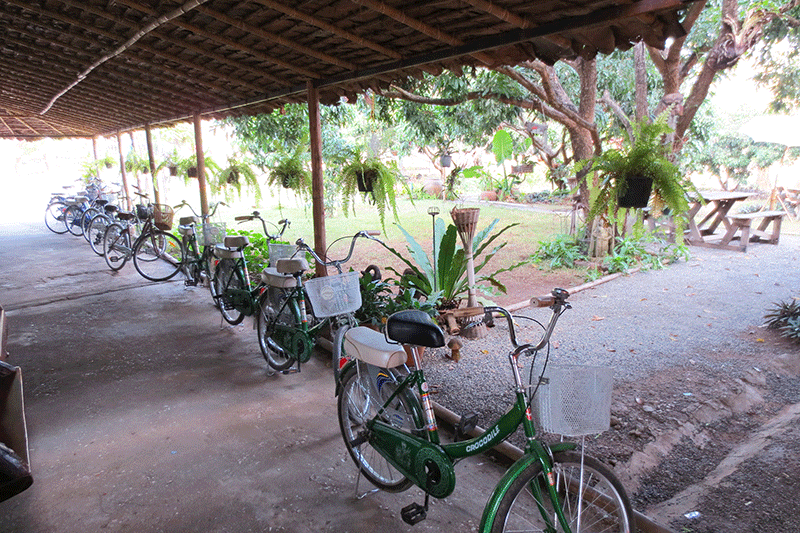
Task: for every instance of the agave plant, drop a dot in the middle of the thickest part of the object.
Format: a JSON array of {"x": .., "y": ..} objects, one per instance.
[
  {"x": 785, "y": 317},
  {"x": 451, "y": 264}
]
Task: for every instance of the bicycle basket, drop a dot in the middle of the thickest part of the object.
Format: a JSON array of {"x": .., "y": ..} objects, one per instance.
[
  {"x": 162, "y": 216},
  {"x": 211, "y": 233},
  {"x": 334, "y": 295},
  {"x": 574, "y": 400},
  {"x": 280, "y": 251}
]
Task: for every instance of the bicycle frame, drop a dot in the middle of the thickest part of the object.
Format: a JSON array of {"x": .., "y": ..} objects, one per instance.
[
  {"x": 285, "y": 336},
  {"x": 385, "y": 438}
]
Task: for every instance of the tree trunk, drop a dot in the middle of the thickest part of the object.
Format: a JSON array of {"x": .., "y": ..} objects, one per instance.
[{"x": 640, "y": 73}]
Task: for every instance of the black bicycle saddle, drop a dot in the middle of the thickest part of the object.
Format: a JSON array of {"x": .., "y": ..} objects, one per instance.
[{"x": 414, "y": 327}]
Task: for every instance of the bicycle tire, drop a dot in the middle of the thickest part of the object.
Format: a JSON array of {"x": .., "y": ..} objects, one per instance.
[
  {"x": 54, "y": 217},
  {"x": 226, "y": 276},
  {"x": 606, "y": 509},
  {"x": 72, "y": 218},
  {"x": 265, "y": 322},
  {"x": 116, "y": 246},
  {"x": 86, "y": 219},
  {"x": 96, "y": 232},
  {"x": 358, "y": 404},
  {"x": 158, "y": 255},
  {"x": 189, "y": 264},
  {"x": 211, "y": 270}
]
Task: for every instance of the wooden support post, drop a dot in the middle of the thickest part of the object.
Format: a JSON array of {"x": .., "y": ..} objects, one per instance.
[
  {"x": 201, "y": 164},
  {"x": 152, "y": 160},
  {"x": 125, "y": 191},
  {"x": 94, "y": 153},
  {"x": 317, "y": 184}
]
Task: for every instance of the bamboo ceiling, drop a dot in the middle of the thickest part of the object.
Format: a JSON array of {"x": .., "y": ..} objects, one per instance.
[{"x": 80, "y": 68}]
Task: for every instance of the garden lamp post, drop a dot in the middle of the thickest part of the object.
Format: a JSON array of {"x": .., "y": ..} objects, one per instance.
[{"x": 433, "y": 211}]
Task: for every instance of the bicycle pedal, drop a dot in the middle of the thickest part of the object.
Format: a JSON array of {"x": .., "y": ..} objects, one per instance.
[
  {"x": 467, "y": 424},
  {"x": 413, "y": 514}
]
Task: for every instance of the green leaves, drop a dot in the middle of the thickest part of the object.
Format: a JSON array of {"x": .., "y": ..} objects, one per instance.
[
  {"x": 451, "y": 263},
  {"x": 502, "y": 146}
]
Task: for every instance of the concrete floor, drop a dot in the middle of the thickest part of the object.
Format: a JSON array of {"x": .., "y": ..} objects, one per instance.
[{"x": 145, "y": 413}]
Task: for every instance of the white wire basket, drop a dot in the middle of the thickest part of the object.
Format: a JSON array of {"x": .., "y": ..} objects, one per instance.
[
  {"x": 334, "y": 295},
  {"x": 211, "y": 233},
  {"x": 574, "y": 400},
  {"x": 280, "y": 251}
]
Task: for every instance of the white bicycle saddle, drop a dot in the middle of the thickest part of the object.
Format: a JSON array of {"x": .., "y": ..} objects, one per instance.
[
  {"x": 270, "y": 276},
  {"x": 372, "y": 347}
]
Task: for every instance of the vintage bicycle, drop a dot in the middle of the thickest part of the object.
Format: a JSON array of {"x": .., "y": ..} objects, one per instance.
[
  {"x": 230, "y": 284},
  {"x": 389, "y": 429},
  {"x": 287, "y": 328},
  {"x": 197, "y": 231}
]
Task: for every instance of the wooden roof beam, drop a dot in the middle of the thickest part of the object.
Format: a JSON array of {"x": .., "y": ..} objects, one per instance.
[
  {"x": 109, "y": 35},
  {"x": 163, "y": 36},
  {"x": 228, "y": 42},
  {"x": 100, "y": 90},
  {"x": 267, "y": 36},
  {"x": 330, "y": 28},
  {"x": 419, "y": 26},
  {"x": 121, "y": 70}
]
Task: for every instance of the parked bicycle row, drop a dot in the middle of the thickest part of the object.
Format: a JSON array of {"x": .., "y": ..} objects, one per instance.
[{"x": 385, "y": 413}]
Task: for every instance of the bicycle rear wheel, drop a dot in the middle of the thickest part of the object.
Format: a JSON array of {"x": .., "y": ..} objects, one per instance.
[
  {"x": 95, "y": 233},
  {"x": 72, "y": 217},
  {"x": 158, "y": 256},
  {"x": 226, "y": 278},
  {"x": 266, "y": 322},
  {"x": 359, "y": 403},
  {"x": 54, "y": 217},
  {"x": 591, "y": 496}
]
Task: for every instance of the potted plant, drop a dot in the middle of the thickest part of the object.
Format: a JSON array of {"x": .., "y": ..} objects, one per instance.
[
  {"x": 630, "y": 175},
  {"x": 374, "y": 178},
  {"x": 238, "y": 173},
  {"x": 290, "y": 173}
]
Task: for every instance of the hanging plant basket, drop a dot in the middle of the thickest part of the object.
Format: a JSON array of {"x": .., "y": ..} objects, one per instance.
[
  {"x": 637, "y": 193},
  {"x": 365, "y": 180},
  {"x": 233, "y": 177},
  {"x": 191, "y": 172},
  {"x": 446, "y": 160},
  {"x": 173, "y": 171}
]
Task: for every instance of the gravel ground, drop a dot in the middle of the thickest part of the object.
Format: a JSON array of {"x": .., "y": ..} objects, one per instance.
[
  {"x": 692, "y": 364},
  {"x": 643, "y": 323}
]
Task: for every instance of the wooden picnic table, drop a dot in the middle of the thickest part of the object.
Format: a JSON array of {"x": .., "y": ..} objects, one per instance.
[{"x": 736, "y": 227}]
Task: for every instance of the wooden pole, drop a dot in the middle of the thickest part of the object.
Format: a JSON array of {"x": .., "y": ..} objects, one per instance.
[
  {"x": 125, "y": 191},
  {"x": 136, "y": 170},
  {"x": 201, "y": 164},
  {"x": 317, "y": 185},
  {"x": 94, "y": 153},
  {"x": 152, "y": 159}
]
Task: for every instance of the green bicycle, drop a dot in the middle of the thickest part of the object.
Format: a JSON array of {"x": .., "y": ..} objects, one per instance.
[
  {"x": 287, "y": 327},
  {"x": 230, "y": 284},
  {"x": 390, "y": 431},
  {"x": 197, "y": 231}
]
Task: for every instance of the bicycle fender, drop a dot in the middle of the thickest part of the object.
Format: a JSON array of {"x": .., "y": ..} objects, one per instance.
[
  {"x": 341, "y": 372},
  {"x": 490, "y": 511}
]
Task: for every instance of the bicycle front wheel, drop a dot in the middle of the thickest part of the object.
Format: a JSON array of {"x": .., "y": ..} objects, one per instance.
[
  {"x": 589, "y": 493},
  {"x": 158, "y": 255},
  {"x": 359, "y": 403},
  {"x": 86, "y": 219},
  {"x": 227, "y": 278},
  {"x": 54, "y": 217},
  {"x": 116, "y": 246},
  {"x": 95, "y": 232},
  {"x": 72, "y": 217}
]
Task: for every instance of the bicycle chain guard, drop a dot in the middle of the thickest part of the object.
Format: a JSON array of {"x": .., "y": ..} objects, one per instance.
[{"x": 423, "y": 462}]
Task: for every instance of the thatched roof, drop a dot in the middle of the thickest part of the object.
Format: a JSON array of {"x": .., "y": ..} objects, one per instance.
[{"x": 94, "y": 67}]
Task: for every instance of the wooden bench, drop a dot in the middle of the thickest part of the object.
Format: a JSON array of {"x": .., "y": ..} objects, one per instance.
[{"x": 740, "y": 228}]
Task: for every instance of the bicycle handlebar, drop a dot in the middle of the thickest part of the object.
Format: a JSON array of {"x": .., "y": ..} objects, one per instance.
[
  {"x": 557, "y": 301},
  {"x": 283, "y": 223},
  {"x": 209, "y": 215},
  {"x": 366, "y": 234}
]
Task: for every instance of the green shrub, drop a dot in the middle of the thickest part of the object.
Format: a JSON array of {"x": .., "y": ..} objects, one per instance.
[
  {"x": 562, "y": 252},
  {"x": 785, "y": 317}
]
